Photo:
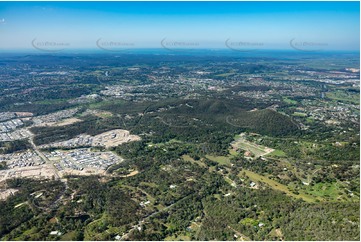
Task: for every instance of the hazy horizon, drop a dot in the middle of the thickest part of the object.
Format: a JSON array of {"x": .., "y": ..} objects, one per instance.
[{"x": 238, "y": 26}]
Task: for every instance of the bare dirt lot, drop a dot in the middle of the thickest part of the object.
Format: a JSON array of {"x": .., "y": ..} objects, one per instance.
[
  {"x": 85, "y": 172},
  {"x": 107, "y": 139},
  {"x": 63, "y": 122},
  {"x": 42, "y": 171},
  {"x": 6, "y": 193},
  {"x": 114, "y": 138}
]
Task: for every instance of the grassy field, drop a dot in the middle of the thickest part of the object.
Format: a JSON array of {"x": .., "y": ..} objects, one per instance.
[
  {"x": 232, "y": 152},
  {"x": 277, "y": 153},
  {"x": 326, "y": 190},
  {"x": 249, "y": 221},
  {"x": 89, "y": 233},
  {"x": 298, "y": 114},
  {"x": 289, "y": 101},
  {"x": 149, "y": 184},
  {"x": 99, "y": 105},
  {"x": 68, "y": 236},
  {"x": 190, "y": 159},
  {"x": 277, "y": 186},
  {"x": 29, "y": 232},
  {"x": 344, "y": 97},
  {"x": 178, "y": 238},
  {"x": 310, "y": 120},
  {"x": 222, "y": 160}
]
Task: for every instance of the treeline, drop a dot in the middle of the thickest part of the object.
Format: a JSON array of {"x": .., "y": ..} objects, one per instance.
[
  {"x": 7, "y": 104},
  {"x": 7, "y": 147}
]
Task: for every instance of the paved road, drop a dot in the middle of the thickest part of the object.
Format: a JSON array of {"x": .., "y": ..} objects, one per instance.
[{"x": 57, "y": 176}]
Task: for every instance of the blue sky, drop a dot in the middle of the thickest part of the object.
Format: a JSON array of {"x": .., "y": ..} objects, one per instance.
[{"x": 242, "y": 25}]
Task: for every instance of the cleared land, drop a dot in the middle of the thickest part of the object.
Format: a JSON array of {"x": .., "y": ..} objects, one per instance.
[
  {"x": 344, "y": 97},
  {"x": 114, "y": 138},
  {"x": 6, "y": 193},
  {"x": 85, "y": 172},
  {"x": 190, "y": 159},
  {"x": 222, "y": 160},
  {"x": 107, "y": 139},
  {"x": 64, "y": 122},
  {"x": 276, "y": 185},
  {"x": 42, "y": 171},
  {"x": 257, "y": 150}
]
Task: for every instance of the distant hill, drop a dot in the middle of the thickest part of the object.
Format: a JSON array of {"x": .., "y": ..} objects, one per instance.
[{"x": 266, "y": 121}]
